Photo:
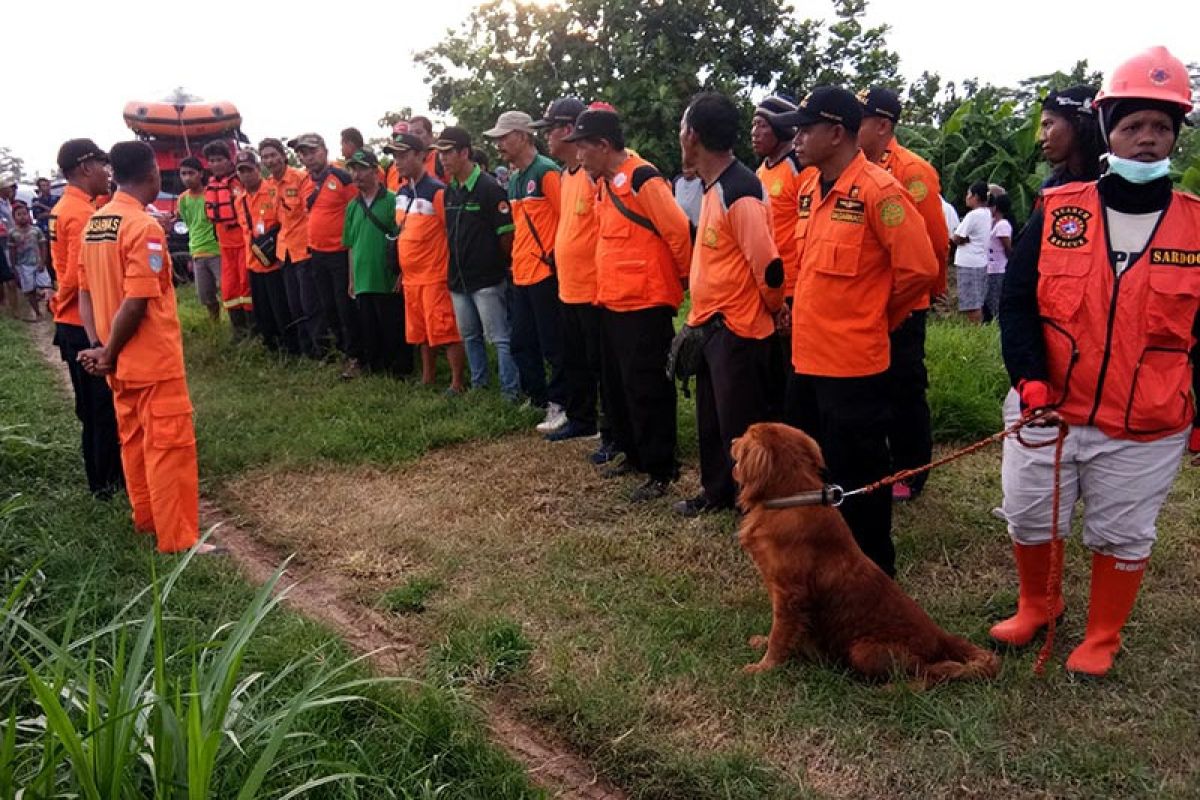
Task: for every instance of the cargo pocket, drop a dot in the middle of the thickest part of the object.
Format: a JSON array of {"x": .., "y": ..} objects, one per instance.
[
  {"x": 1061, "y": 283},
  {"x": 1159, "y": 400},
  {"x": 171, "y": 424},
  {"x": 1172, "y": 304}
]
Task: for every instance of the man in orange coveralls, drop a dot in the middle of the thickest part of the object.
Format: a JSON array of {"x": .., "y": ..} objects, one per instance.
[{"x": 126, "y": 293}]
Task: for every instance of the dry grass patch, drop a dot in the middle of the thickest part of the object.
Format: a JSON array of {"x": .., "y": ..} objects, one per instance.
[{"x": 638, "y": 623}]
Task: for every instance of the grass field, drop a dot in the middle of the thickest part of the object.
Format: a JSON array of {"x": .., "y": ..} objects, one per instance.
[{"x": 529, "y": 579}]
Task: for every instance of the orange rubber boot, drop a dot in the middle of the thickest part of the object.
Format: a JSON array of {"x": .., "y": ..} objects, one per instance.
[
  {"x": 1033, "y": 601},
  {"x": 1115, "y": 587}
]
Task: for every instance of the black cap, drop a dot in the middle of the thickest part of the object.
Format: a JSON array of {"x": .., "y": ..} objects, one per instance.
[
  {"x": 563, "y": 111},
  {"x": 76, "y": 151},
  {"x": 880, "y": 101},
  {"x": 1079, "y": 100},
  {"x": 598, "y": 124},
  {"x": 825, "y": 104},
  {"x": 452, "y": 138},
  {"x": 401, "y": 143}
]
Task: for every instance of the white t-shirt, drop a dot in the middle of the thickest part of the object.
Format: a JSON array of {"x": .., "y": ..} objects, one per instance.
[
  {"x": 976, "y": 228},
  {"x": 951, "y": 215},
  {"x": 997, "y": 261}
]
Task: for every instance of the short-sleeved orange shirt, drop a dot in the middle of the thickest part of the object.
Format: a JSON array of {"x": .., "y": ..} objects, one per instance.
[
  {"x": 256, "y": 213},
  {"x": 424, "y": 250},
  {"x": 327, "y": 208},
  {"x": 67, "y": 221},
  {"x": 575, "y": 241},
  {"x": 535, "y": 196},
  {"x": 782, "y": 182},
  {"x": 124, "y": 254},
  {"x": 291, "y": 197},
  {"x": 733, "y": 257}
]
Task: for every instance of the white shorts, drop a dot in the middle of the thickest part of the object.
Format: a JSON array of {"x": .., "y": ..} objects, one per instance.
[
  {"x": 1122, "y": 484},
  {"x": 32, "y": 278}
]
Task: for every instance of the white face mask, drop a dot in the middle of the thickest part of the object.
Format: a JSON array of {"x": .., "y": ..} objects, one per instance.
[{"x": 1138, "y": 171}]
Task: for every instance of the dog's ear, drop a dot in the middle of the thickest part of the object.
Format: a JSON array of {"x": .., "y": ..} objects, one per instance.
[{"x": 753, "y": 466}]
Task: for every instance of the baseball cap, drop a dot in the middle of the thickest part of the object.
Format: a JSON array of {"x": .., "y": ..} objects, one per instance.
[
  {"x": 307, "y": 140},
  {"x": 362, "y": 158},
  {"x": 508, "y": 122},
  {"x": 1080, "y": 100},
  {"x": 246, "y": 158},
  {"x": 880, "y": 101},
  {"x": 76, "y": 151},
  {"x": 598, "y": 124},
  {"x": 563, "y": 111},
  {"x": 401, "y": 143},
  {"x": 825, "y": 104},
  {"x": 452, "y": 138}
]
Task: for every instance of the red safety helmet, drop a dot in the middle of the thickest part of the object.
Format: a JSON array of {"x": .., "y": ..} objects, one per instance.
[{"x": 1151, "y": 75}]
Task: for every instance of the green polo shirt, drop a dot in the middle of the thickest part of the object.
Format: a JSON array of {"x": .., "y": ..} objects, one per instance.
[
  {"x": 202, "y": 239},
  {"x": 374, "y": 272}
]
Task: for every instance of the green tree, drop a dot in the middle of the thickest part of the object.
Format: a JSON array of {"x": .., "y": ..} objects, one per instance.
[{"x": 11, "y": 163}]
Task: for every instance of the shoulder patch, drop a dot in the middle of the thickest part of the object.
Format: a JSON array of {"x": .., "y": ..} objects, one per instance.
[
  {"x": 891, "y": 212},
  {"x": 102, "y": 229},
  {"x": 917, "y": 188},
  {"x": 642, "y": 174}
]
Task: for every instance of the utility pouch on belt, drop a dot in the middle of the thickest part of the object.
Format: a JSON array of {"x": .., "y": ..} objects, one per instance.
[
  {"x": 687, "y": 348},
  {"x": 262, "y": 246}
]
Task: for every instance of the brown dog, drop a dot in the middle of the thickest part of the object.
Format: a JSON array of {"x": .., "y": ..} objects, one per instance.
[{"x": 826, "y": 596}]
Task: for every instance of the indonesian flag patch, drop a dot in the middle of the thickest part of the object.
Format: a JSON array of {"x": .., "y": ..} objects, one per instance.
[{"x": 155, "y": 247}]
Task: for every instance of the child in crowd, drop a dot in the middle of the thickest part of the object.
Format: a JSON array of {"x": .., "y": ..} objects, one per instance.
[{"x": 27, "y": 255}]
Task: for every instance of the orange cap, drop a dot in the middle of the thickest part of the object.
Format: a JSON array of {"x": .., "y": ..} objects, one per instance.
[{"x": 1154, "y": 74}]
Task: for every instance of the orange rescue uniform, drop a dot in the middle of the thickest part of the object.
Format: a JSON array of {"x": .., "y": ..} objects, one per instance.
[
  {"x": 67, "y": 221},
  {"x": 925, "y": 188},
  {"x": 124, "y": 255},
  {"x": 292, "y": 191},
  {"x": 575, "y": 240},
  {"x": 640, "y": 262},
  {"x": 256, "y": 212},
  {"x": 327, "y": 209},
  {"x": 865, "y": 264},
  {"x": 424, "y": 254},
  {"x": 734, "y": 256},
  {"x": 782, "y": 182},
  {"x": 535, "y": 205}
]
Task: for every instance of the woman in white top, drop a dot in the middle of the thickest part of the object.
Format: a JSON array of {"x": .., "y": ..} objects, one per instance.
[
  {"x": 999, "y": 249},
  {"x": 970, "y": 259}
]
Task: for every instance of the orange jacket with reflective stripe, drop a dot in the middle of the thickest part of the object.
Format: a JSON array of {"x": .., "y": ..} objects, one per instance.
[
  {"x": 1117, "y": 346},
  {"x": 865, "y": 264},
  {"x": 925, "y": 187},
  {"x": 125, "y": 255},
  {"x": 291, "y": 194},
  {"x": 575, "y": 241},
  {"x": 782, "y": 182},
  {"x": 67, "y": 221},
  {"x": 639, "y": 268},
  {"x": 732, "y": 258}
]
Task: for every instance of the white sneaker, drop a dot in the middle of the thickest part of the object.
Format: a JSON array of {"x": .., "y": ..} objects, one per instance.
[{"x": 556, "y": 417}]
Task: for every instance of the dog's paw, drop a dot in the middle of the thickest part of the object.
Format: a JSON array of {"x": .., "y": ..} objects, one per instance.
[
  {"x": 758, "y": 666},
  {"x": 758, "y": 642}
]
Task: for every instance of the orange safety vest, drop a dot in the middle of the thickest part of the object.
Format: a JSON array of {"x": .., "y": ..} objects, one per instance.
[
  {"x": 1117, "y": 346},
  {"x": 643, "y": 253}
]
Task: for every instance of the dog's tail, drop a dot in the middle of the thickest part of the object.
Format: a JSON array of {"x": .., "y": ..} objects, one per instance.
[{"x": 970, "y": 663}]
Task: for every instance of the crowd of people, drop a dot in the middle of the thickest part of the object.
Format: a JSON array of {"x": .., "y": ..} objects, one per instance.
[{"x": 810, "y": 283}]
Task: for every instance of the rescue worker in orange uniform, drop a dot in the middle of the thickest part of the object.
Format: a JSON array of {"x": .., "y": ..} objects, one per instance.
[
  {"x": 575, "y": 259},
  {"x": 221, "y": 198},
  {"x": 260, "y": 226},
  {"x": 291, "y": 187},
  {"x": 85, "y": 166},
  {"x": 1100, "y": 309},
  {"x": 125, "y": 286},
  {"x": 643, "y": 254},
  {"x": 865, "y": 264},
  {"x": 910, "y": 435},
  {"x": 780, "y": 172},
  {"x": 736, "y": 285}
]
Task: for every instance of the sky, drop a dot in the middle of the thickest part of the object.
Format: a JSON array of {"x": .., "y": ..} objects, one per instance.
[{"x": 290, "y": 69}]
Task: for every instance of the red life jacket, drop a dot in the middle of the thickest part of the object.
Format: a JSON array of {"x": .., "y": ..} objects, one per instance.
[
  {"x": 1117, "y": 346},
  {"x": 219, "y": 200}
]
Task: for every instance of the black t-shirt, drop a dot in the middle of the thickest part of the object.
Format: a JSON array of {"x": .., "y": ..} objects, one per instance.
[{"x": 477, "y": 215}]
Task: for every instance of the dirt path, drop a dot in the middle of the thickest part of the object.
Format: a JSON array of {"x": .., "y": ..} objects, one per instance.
[{"x": 321, "y": 596}]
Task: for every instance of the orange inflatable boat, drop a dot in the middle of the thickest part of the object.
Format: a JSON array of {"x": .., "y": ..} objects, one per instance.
[{"x": 191, "y": 119}]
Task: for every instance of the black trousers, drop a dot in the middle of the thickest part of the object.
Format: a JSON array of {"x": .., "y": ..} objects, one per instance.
[
  {"x": 536, "y": 341},
  {"x": 732, "y": 393},
  {"x": 640, "y": 399},
  {"x": 331, "y": 277},
  {"x": 581, "y": 364},
  {"x": 910, "y": 437},
  {"x": 849, "y": 418},
  {"x": 302, "y": 303},
  {"x": 383, "y": 345},
  {"x": 272, "y": 315},
  {"x": 94, "y": 408}
]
